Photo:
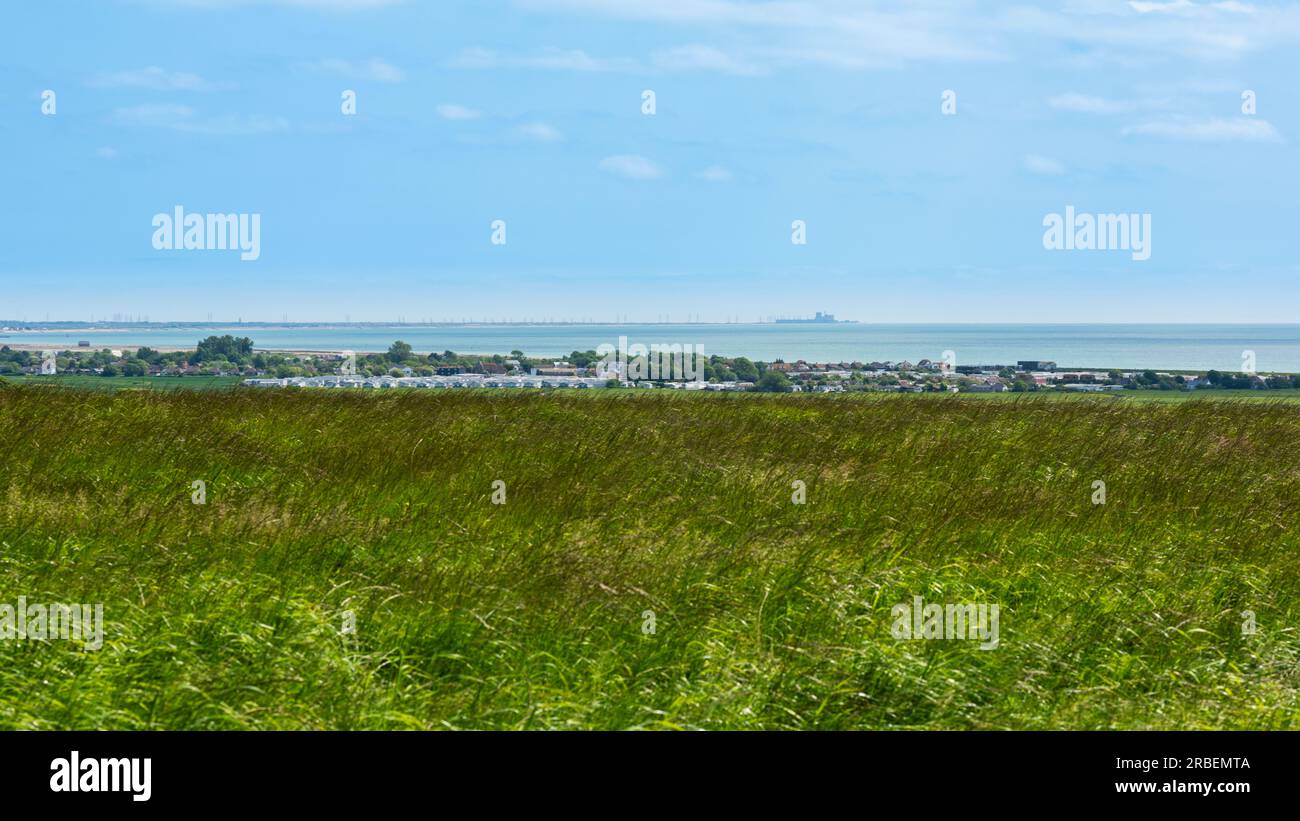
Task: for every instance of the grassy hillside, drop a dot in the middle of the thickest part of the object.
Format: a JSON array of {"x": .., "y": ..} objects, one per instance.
[{"x": 530, "y": 614}]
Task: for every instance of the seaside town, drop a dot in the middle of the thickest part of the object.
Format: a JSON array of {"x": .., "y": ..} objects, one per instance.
[{"x": 401, "y": 367}]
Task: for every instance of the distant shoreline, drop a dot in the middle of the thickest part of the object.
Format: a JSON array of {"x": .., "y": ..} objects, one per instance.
[
  {"x": 305, "y": 352},
  {"x": 21, "y": 326},
  {"x": 1173, "y": 348}
]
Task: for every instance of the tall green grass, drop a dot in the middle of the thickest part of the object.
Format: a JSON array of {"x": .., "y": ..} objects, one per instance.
[{"x": 530, "y": 614}]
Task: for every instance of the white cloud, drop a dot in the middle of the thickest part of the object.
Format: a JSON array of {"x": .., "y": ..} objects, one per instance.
[
  {"x": 336, "y": 4},
  {"x": 1046, "y": 166},
  {"x": 572, "y": 60},
  {"x": 715, "y": 173},
  {"x": 451, "y": 111},
  {"x": 321, "y": 5},
  {"x": 373, "y": 69},
  {"x": 632, "y": 166},
  {"x": 155, "y": 78},
  {"x": 541, "y": 132},
  {"x": 159, "y": 115},
  {"x": 1087, "y": 104},
  {"x": 1176, "y": 6},
  {"x": 779, "y": 33},
  {"x": 786, "y": 32},
  {"x": 704, "y": 58},
  {"x": 552, "y": 59},
  {"x": 1188, "y": 8},
  {"x": 693, "y": 57},
  {"x": 1239, "y": 129},
  {"x": 186, "y": 119},
  {"x": 1145, "y": 31},
  {"x": 476, "y": 58}
]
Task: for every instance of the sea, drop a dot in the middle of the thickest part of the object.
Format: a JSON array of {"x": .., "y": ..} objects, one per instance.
[{"x": 1156, "y": 346}]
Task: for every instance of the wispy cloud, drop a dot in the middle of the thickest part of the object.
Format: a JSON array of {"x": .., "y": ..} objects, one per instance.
[
  {"x": 779, "y": 33},
  {"x": 1239, "y": 129},
  {"x": 715, "y": 173},
  {"x": 631, "y": 166},
  {"x": 153, "y": 77},
  {"x": 336, "y": 4},
  {"x": 553, "y": 59},
  {"x": 540, "y": 132},
  {"x": 318, "y": 5},
  {"x": 1188, "y": 8},
  {"x": 186, "y": 119},
  {"x": 374, "y": 69},
  {"x": 1088, "y": 104},
  {"x": 1043, "y": 166},
  {"x": 452, "y": 111},
  {"x": 154, "y": 116},
  {"x": 698, "y": 57},
  {"x": 1139, "y": 32},
  {"x": 792, "y": 32}
]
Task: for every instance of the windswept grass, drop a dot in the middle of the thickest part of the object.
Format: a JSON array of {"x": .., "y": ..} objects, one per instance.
[{"x": 529, "y": 614}]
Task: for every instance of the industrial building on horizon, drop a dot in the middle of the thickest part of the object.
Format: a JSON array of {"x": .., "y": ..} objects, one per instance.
[{"x": 819, "y": 318}]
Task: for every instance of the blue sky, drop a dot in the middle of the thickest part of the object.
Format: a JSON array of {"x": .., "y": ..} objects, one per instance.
[{"x": 766, "y": 112}]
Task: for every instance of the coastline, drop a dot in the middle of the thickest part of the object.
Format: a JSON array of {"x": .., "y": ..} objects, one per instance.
[{"x": 1188, "y": 347}]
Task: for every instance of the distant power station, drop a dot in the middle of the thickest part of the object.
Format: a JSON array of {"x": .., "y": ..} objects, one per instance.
[{"x": 818, "y": 318}]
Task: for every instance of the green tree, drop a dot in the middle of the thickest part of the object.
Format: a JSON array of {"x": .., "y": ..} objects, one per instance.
[
  {"x": 222, "y": 347},
  {"x": 773, "y": 382},
  {"x": 399, "y": 351},
  {"x": 745, "y": 370}
]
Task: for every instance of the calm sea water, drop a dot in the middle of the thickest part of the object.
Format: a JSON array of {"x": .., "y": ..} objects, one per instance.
[{"x": 1276, "y": 347}]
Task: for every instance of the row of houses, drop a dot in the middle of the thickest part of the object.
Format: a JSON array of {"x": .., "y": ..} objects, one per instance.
[
  {"x": 478, "y": 380},
  {"x": 451, "y": 380},
  {"x": 800, "y": 366}
]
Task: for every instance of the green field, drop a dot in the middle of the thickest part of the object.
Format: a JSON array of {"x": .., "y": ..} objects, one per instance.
[
  {"x": 532, "y": 614},
  {"x": 117, "y": 383}
]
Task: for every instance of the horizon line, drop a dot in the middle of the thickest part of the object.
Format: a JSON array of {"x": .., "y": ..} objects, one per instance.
[{"x": 10, "y": 324}]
